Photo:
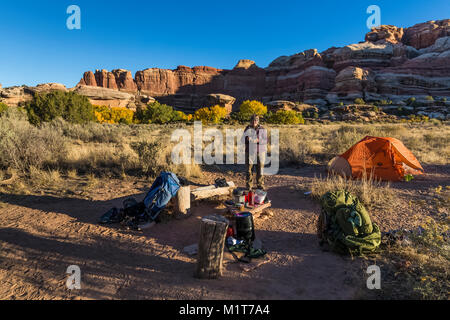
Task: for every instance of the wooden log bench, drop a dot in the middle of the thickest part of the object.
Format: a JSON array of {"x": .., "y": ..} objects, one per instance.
[
  {"x": 211, "y": 191},
  {"x": 185, "y": 195}
]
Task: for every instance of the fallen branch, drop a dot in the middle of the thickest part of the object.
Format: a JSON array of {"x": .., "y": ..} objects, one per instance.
[{"x": 10, "y": 180}]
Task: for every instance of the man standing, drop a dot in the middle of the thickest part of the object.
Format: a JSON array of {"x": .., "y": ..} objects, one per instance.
[{"x": 255, "y": 150}]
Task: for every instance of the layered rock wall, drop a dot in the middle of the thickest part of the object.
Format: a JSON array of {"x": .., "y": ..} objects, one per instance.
[{"x": 392, "y": 64}]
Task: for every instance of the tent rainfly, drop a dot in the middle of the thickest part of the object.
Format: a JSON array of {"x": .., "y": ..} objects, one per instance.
[{"x": 384, "y": 158}]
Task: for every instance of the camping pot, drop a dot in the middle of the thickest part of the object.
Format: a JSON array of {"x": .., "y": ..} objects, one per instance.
[
  {"x": 238, "y": 195},
  {"x": 260, "y": 195},
  {"x": 244, "y": 226}
]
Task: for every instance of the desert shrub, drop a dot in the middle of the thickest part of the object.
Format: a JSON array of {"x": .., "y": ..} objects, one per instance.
[
  {"x": 383, "y": 102},
  {"x": 155, "y": 112},
  {"x": 3, "y": 107},
  {"x": 90, "y": 132},
  {"x": 155, "y": 156},
  {"x": 217, "y": 113},
  {"x": 418, "y": 118},
  {"x": 213, "y": 114},
  {"x": 23, "y": 145},
  {"x": 105, "y": 114},
  {"x": 359, "y": 101},
  {"x": 149, "y": 153},
  {"x": 44, "y": 178},
  {"x": 180, "y": 116},
  {"x": 432, "y": 235},
  {"x": 285, "y": 117},
  {"x": 202, "y": 114},
  {"x": 411, "y": 101},
  {"x": 402, "y": 111},
  {"x": 417, "y": 267},
  {"x": 71, "y": 106},
  {"x": 249, "y": 108}
]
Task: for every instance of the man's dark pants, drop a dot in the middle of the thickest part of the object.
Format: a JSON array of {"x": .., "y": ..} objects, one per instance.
[{"x": 249, "y": 165}]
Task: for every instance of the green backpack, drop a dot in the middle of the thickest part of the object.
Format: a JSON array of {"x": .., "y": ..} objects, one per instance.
[{"x": 345, "y": 224}]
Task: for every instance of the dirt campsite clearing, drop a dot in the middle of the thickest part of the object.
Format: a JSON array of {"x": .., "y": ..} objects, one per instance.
[{"x": 43, "y": 234}]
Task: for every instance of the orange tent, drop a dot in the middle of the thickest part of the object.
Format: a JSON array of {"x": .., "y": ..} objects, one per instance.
[{"x": 385, "y": 158}]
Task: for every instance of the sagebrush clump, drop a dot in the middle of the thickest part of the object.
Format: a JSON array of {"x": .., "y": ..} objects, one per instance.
[
  {"x": 71, "y": 106},
  {"x": 3, "y": 107},
  {"x": 285, "y": 117},
  {"x": 23, "y": 145}
]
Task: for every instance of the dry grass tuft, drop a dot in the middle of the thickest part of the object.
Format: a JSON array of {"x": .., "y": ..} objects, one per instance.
[
  {"x": 44, "y": 178},
  {"x": 373, "y": 193}
]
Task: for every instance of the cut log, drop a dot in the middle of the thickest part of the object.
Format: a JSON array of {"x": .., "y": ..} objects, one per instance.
[
  {"x": 205, "y": 188},
  {"x": 213, "y": 230},
  {"x": 211, "y": 191},
  {"x": 183, "y": 201}
]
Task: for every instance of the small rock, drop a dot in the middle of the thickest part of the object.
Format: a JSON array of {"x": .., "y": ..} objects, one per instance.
[{"x": 191, "y": 249}]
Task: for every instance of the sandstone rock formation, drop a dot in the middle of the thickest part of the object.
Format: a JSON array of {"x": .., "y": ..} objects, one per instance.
[
  {"x": 301, "y": 77},
  {"x": 46, "y": 87},
  {"x": 118, "y": 79},
  {"x": 276, "y": 105},
  {"x": 222, "y": 100},
  {"x": 361, "y": 113},
  {"x": 351, "y": 83},
  {"x": 387, "y": 33},
  {"x": 19, "y": 95},
  {"x": 106, "y": 96},
  {"x": 14, "y": 96},
  {"x": 423, "y": 35}
]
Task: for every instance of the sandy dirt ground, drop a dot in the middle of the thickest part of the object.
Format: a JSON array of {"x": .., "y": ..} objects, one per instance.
[{"x": 41, "y": 235}]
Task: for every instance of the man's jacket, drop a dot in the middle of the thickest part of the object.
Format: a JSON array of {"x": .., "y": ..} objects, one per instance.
[{"x": 260, "y": 133}]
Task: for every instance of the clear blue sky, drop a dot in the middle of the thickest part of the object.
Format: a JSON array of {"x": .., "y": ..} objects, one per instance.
[{"x": 37, "y": 47}]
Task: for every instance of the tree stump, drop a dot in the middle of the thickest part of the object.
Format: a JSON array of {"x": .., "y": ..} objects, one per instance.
[
  {"x": 213, "y": 231},
  {"x": 183, "y": 201}
]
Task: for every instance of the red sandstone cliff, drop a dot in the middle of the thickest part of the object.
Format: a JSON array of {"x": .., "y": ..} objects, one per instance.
[{"x": 392, "y": 63}]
